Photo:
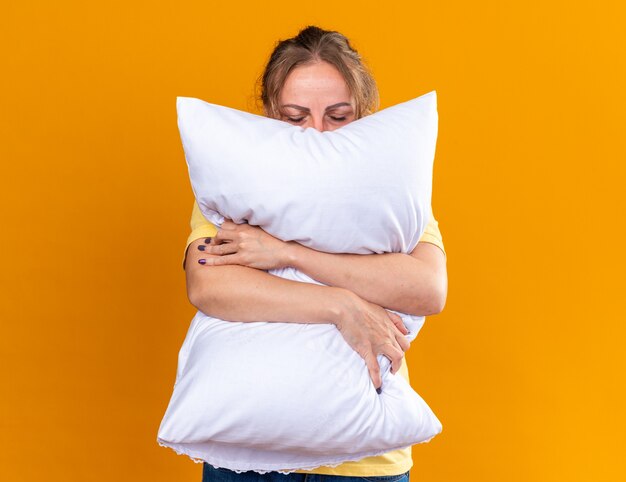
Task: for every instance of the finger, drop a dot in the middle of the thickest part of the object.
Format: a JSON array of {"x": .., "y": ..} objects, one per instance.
[
  {"x": 401, "y": 327},
  {"x": 397, "y": 320},
  {"x": 224, "y": 236},
  {"x": 400, "y": 333},
  {"x": 395, "y": 357},
  {"x": 222, "y": 249},
  {"x": 399, "y": 366},
  {"x": 403, "y": 342},
  {"x": 374, "y": 369},
  {"x": 208, "y": 241},
  {"x": 220, "y": 260},
  {"x": 228, "y": 224}
]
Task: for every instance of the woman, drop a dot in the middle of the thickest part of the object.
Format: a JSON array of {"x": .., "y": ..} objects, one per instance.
[{"x": 317, "y": 79}]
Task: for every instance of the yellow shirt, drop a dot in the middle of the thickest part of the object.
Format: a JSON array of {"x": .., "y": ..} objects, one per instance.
[{"x": 390, "y": 463}]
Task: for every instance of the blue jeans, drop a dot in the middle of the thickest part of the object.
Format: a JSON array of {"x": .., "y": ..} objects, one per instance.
[{"x": 211, "y": 474}]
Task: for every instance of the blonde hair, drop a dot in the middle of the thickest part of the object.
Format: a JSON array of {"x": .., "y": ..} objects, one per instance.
[{"x": 313, "y": 44}]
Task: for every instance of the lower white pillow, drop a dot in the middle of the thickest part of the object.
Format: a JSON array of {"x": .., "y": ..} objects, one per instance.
[{"x": 267, "y": 396}]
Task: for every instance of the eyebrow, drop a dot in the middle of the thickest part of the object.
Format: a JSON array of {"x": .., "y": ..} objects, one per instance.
[{"x": 306, "y": 109}]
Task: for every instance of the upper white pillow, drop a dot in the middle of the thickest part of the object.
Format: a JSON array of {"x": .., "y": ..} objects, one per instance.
[
  {"x": 267, "y": 396},
  {"x": 362, "y": 188}
]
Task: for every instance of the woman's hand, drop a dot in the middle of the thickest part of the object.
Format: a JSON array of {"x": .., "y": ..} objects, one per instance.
[
  {"x": 371, "y": 330},
  {"x": 246, "y": 245}
]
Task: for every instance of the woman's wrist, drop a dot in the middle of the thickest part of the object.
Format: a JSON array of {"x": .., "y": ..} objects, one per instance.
[
  {"x": 341, "y": 303},
  {"x": 338, "y": 303},
  {"x": 292, "y": 254}
]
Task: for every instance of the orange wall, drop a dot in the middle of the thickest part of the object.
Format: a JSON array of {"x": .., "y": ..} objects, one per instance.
[{"x": 525, "y": 367}]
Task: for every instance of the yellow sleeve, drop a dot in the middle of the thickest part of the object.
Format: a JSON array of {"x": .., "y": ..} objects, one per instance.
[
  {"x": 432, "y": 234},
  {"x": 200, "y": 228}
]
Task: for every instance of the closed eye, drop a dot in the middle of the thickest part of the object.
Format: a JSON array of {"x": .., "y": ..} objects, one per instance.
[{"x": 297, "y": 120}]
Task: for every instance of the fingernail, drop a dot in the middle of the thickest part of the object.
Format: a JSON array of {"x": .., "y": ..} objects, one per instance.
[
  {"x": 202, "y": 247},
  {"x": 379, "y": 390},
  {"x": 207, "y": 240},
  {"x": 202, "y": 261}
]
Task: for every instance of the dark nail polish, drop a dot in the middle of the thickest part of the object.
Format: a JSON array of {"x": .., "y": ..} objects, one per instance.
[
  {"x": 202, "y": 261},
  {"x": 202, "y": 247},
  {"x": 379, "y": 390},
  {"x": 207, "y": 240}
]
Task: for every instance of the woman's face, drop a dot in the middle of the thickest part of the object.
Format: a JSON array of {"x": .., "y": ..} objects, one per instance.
[{"x": 316, "y": 95}]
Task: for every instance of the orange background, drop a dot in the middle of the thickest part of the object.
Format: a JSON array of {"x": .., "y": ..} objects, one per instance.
[{"x": 525, "y": 367}]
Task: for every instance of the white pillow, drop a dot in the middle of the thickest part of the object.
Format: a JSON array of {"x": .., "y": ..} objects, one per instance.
[{"x": 267, "y": 396}]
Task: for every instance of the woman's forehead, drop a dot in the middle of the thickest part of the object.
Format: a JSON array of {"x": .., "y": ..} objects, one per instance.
[{"x": 315, "y": 85}]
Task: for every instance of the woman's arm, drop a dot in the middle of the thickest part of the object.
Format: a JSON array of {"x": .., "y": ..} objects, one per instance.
[
  {"x": 241, "y": 293},
  {"x": 414, "y": 283}
]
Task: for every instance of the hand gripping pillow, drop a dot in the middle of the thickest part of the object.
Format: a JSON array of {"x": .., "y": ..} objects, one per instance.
[{"x": 268, "y": 396}]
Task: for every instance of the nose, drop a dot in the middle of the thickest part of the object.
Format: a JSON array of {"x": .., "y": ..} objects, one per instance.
[{"x": 318, "y": 123}]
